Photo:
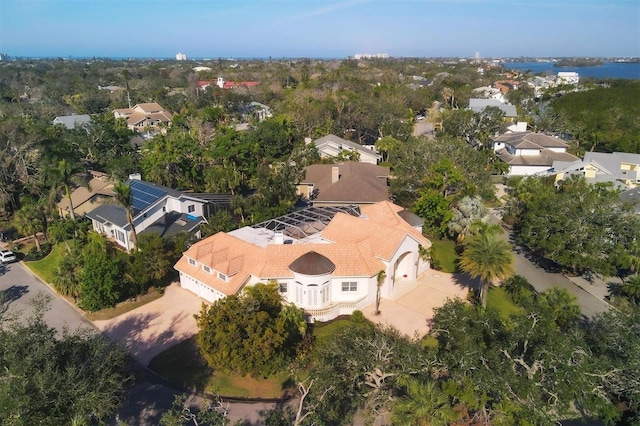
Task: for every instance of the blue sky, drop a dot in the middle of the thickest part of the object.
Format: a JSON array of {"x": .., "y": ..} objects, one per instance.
[{"x": 319, "y": 28}]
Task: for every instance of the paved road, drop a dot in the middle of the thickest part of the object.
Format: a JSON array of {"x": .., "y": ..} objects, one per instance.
[
  {"x": 542, "y": 279},
  {"x": 20, "y": 288}
]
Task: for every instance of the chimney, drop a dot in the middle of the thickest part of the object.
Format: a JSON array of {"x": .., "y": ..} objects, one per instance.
[
  {"x": 335, "y": 174},
  {"x": 135, "y": 176},
  {"x": 278, "y": 237}
]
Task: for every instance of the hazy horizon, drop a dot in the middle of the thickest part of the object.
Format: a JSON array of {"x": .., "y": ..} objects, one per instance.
[{"x": 319, "y": 29}]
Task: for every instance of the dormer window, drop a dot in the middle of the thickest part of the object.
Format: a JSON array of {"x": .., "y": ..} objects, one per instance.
[
  {"x": 222, "y": 276},
  {"x": 206, "y": 269},
  {"x": 192, "y": 261}
]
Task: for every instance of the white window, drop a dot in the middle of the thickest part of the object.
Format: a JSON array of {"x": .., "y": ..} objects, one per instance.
[
  {"x": 192, "y": 261},
  {"x": 349, "y": 286},
  {"x": 282, "y": 287},
  {"x": 312, "y": 295},
  {"x": 191, "y": 208},
  {"x": 222, "y": 276},
  {"x": 299, "y": 293},
  {"x": 120, "y": 235},
  {"x": 206, "y": 269}
]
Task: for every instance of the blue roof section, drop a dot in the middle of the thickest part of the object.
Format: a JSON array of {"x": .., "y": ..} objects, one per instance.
[{"x": 144, "y": 194}]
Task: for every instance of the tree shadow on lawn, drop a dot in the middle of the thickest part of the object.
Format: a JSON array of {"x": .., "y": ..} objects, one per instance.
[
  {"x": 183, "y": 365},
  {"x": 145, "y": 335}
]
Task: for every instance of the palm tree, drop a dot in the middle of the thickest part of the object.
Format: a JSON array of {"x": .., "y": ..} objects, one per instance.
[
  {"x": 379, "y": 279},
  {"x": 489, "y": 258},
  {"x": 30, "y": 220},
  {"x": 65, "y": 175},
  {"x": 631, "y": 288},
  {"x": 424, "y": 404},
  {"x": 66, "y": 280},
  {"x": 122, "y": 193}
]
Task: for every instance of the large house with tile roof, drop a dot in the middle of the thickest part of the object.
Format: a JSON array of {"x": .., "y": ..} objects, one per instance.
[
  {"x": 529, "y": 153},
  {"x": 144, "y": 117},
  {"x": 343, "y": 184},
  {"x": 156, "y": 208},
  {"x": 325, "y": 259}
]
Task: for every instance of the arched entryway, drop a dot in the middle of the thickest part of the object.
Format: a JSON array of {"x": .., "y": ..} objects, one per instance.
[{"x": 404, "y": 267}]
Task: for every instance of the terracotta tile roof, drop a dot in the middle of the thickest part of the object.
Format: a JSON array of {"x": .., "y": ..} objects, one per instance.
[
  {"x": 223, "y": 253},
  {"x": 386, "y": 213}
]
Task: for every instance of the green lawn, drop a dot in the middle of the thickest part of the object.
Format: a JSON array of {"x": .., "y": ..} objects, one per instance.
[
  {"x": 500, "y": 300},
  {"x": 46, "y": 268},
  {"x": 183, "y": 365},
  {"x": 444, "y": 256},
  {"x": 324, "y": 331}
]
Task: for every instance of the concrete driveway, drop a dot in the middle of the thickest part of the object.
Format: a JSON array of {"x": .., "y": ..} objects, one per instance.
[
  {"x": 411, "y": 310},
  {"x": 155, "y": 327}
]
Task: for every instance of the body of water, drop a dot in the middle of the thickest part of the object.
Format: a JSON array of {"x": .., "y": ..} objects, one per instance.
[{"x": 626, "y": 70}]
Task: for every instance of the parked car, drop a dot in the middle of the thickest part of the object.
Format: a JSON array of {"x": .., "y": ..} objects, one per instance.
[{"x": 7, "y": 256}]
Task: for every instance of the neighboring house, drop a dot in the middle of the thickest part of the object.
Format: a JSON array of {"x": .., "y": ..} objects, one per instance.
[
  {"x": 155, "y": 208},
  {"x": 144, "y": 117},
  {"x": 73, "y": 121},
  {"x": 331, "y": 145},
  {"x": 111, "y": 89},
  {"x": 221, "y": 83},
  {"x": 624, "y": 166},
  {"x": 505, "y": 86},
  {"x": 488, "y": 92},
  {"x": 620, "y": 168},
  {"x": 86, "y": 198},
  {"x": 509, "y": 111},
  {"x": 568, "y": 77},
  {"x": 261, "y": 111},
  {"x": 344, "y": 184},
  {"x": 325, "y": 259},
  {"x": 529, "y": 153}
]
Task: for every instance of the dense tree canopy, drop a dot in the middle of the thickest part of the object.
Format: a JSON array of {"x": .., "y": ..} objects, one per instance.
[
  {"x": 581, "y": 227},
  {"x": 47, "y": 378},
  {"x": 604, "y": 119},
  {"x": 252, "y": 333}
]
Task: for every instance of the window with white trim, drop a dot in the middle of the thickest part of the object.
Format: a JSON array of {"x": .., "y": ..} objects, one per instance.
[
  {"x": 206, "y": 269},
  {"x": 120, "y": 235},
  {"x": 349, "y": 286},
  {"x": 222, "y": 276},
  {"x": 191, "y": 208},
  {"x": 282, "y": 287},
  {"x": 192, "y": 261}
]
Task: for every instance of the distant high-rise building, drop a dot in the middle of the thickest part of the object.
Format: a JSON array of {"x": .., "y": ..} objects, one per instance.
[
  {"x": 476, "y": 57},
  {"x": 181, "y": 57},
  {"x": 371, "y": 55}
]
